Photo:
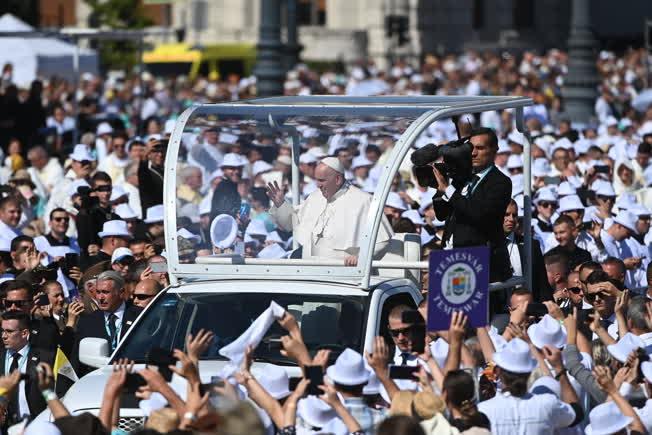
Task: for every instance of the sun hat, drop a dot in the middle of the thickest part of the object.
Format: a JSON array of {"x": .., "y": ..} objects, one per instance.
[
  {"x": 547, "y": 332},
  {"x": 205, "y": 205},
  {"x": 540, "y": 167},
  {"x": 625, "y": 201},
  {"x": 115, "y": 228},
  {"x": 414, "y": 216},
  {"x": 232, "y": 160},
  {"x": 626, "y": 345},
  {"x": 516, "y": 357},
  {"x": 120, "y": 254},
  {"x": 395, "y": 201},
  {"x": 606, "y": 419},
  {"x": 117, "y": 192},
  {"x": 545, "y": 194},
  {"x": 626, "y": 219},
  {"x": 546, "y": 385},
  {"x": 81, "y": 153},
  {"x": 570, "y": 203},
  {"x": 426, "y": 405},
  {"x": 565, "y": 189},
  {"x": 605, "y": 189},
  {"x": 360, "y": 162},
  {"x": 307, "y": 159},
  {"x": 315, "y": 411},
  {"x": 154, "y": 214},
  {"x": 256, "y": 228},
  {"x": 259, "y": 167},
  {"x": 349, "y": 369},
  {"x": 516, "y": 137},
  {"x": 125, "y": 212},
  {"x": 503, "y": 147},
  {"x": 223, "y": 231},
  {"x": 515, "y": 161},
  {"x": 638, "y": 210},
  {"x": 275, "y": 381},
  {"x": 103, "y": 128}
]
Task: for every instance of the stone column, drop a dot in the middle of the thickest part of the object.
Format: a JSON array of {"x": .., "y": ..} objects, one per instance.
[
  {"x": 269, "y": 69},
  {"x": 292, "y": 47}
]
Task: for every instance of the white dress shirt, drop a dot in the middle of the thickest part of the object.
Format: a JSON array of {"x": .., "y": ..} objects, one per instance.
[
  {"x": 514, "y": 255},
  {"x": 531, "y": 415},
  {"x": 119, "y": 313},
  {"x": 23, "y": 406}
]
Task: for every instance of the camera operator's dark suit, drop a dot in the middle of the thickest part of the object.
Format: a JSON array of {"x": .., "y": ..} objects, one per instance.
[{"x": 477, "y": 219}]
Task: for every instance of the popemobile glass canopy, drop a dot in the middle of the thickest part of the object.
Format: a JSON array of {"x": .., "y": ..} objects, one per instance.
[{"x": 221, "y": 223}]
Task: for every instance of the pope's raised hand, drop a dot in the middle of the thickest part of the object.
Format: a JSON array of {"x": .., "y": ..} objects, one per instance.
[{"x": 275, "y": 193}]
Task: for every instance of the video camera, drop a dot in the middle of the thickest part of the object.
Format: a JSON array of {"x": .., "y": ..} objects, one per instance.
[{"x": 456, "y": 164}]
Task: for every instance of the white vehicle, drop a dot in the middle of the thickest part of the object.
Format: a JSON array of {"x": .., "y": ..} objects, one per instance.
[{"x": 336, "y": 306}]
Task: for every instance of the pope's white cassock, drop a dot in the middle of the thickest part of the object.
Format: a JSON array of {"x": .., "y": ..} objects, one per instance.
[{"x": 331, "y": 229}]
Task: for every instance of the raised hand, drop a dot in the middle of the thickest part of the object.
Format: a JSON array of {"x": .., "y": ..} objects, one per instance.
[
  {"x": 276, "y": 194},
  {"x": 197, "y": 345},
  {"x": 457, "y": 327},
  {"x": 379, "y": 359},
  {"x": 188, "y": 368}
]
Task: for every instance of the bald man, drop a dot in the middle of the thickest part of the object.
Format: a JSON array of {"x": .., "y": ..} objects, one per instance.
[
  {"x": 145, "y": 291},
  {"x": 331, "y": 221}
]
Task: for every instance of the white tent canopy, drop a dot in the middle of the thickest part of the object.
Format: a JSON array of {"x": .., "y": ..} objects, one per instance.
[{"x": 40, "y": 57}]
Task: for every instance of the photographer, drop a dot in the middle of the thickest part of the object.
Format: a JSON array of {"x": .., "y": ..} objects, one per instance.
[
  {"x": 95, "y": 210},
  {"x": 474, "y": 210}
]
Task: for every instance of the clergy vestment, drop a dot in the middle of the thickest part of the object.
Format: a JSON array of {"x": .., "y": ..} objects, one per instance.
[{"x": 330, "y": 228}]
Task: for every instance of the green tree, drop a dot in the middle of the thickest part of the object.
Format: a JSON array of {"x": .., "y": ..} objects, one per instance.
[{"x": 118, "y": 15}]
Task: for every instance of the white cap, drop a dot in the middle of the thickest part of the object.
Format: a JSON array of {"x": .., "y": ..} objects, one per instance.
[
  {"x": 114, "y": 228},
  {"x": 611, "y": 121},
  {"x": 626, "y": 201},
  {"x": 605, "y": 189},
  {"x": 638, "y": 210},
  {"x": 515, "y": 161},
  {"x": 155, "y": 214},
  {"x": 125, "y": 212},
  {"x": 395, "y": 201},
  {"x": 317, "y": 152},
  {"x": 104, "y": 128},
  {"x": 81, "y": 153},
  {"x": 626, "y": 219},
  {"x": 516, "y": 357},
  {"x": 582, "y": 146},
  {"x": 232, "y": 160},
  {"x": 121, "y": 253},
  {"x": 315, "y": 412},
  {"x": 569, "y": 203},
  {"x": 546, "y": 385},
  {"x": 333, "y": 163},
  {"x": 224, "y": 230},
  {"x": 414, "y": 216}
]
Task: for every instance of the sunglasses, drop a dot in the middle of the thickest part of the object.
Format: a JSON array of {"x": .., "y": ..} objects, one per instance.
[
  {"x": 61, "y": 219},
  {"x": 574, "y": 290},
  {"x": 546, "y": 204},
  {"x": 106, "y": 188},
  {"x": 397, "y": 332},
  {"x": 85, "y": 163},
  {"x": 606, "y": 198},
  {"x": 142, "y": 296},
  {"x": 592, "y": 297},
  {"x": 20, "y": 303}
]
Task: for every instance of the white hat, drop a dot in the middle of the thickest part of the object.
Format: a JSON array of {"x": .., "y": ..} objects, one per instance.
[
  {"x": 153, "y": 137},
  {"x": 169, "y": 126},
  {"x": 275, "y": 381},
  {"x": 582, "y": 146},
  {"x": 646, "y": 368},
  {"x": 360, "y": 162},
  {"x": 232, "y": 160},
  {"x": 626, "y": 219},
  {"x": 182, "y": 232},
  {"x": 349, "y": 369},
  {"x": 121, "y": 253},
  {"x": 205, "y": 205},
  {"x": 274, "y": 237},
  {"x": 395, "y": 201},
  {"x": 569, "y": 203},
  {"x": 272, "y": 251},
  {"x": 81, "y": 153},
  {"x": 545, "y": 194},
  {"x": 224, "y": 230},
  {"x": 517, "y": 137},
  {"x": 437, "y": 223},
  {"x": 285, "y": 160},
  {"x": 414, "y": 216},
  {"x": 72, "y": 189},
  {"x": 373, "y": 386},
  {"x": 125, "y": 212},
  {"x": 155, "y": 214},
  {"x": 638, "y": 210},
  {"x": 647, "y": 174},
  {"x": 114, "y": 228},
  {"x": 333, "y": 163},
  {"x": 39, "y": 427},
  {"x": 626, "y": 201},
  {"x": 540, "y": 167},
  {"x": 546, "y": 385},
  {"x": 317, "y": 152},
  {"x": 156, "y": 401},
  {"x": 515, "y": 161},
  {"x": 190, "y": 211},
  {"x": 611, "y": 121},
  {"x": 605, "y": 189},
  {"x": 562, "y": 143},
  {"x": 626, "y": 345},
  {"x": 547, "y": 332},
  {"x": 426, "y": 237},
  {"x": 118, "y": 191},
  {"x": 256, "y": 228},
  {"x": 315, "y": 411},
  {"x": 424, "y": 203},
  {"x": 565, "y": 188},
  {"x": 307, "y": 158},
  {"x": 103, "y": 128},
  {"x": 497, "y": 339},
  {"x": 439, "y": 350},
  {"x": 516, "y": 357},
  {"x": 503, "y": 147},
  {"x": 606, "y": 419},
  {"x": 260, "y": 166}
]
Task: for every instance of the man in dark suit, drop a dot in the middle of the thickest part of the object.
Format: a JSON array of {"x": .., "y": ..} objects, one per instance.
[
  {"x": 150, "y": 173},
  {"x": 111, "y": 321},
  {"x": 474, "y": 212},
  {"x": 18, "y": 354}
]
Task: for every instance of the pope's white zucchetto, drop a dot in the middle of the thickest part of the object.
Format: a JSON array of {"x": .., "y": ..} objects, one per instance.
[{"x": 333, "y": 163}]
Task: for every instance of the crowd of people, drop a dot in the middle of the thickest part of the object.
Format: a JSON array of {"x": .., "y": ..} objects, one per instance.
[{"x": 82, "y": 250}]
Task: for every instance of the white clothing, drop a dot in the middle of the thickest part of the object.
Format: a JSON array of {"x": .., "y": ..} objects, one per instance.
[
  {"x": 531, "y": 415},
  {"x": 134, "y": 198},
  {"x": 645, "y": 414},
  {"x": 23, "y": 405},
  {"x": 514, "y": 255},
  {"x": 330, "y": 228},
  {"x": 7, "y": 232},
  {"x": 115, "y": 167},
  {"x": 48, "y": 177}
]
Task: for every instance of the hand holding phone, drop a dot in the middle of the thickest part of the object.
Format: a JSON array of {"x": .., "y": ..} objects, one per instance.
[
  {"x": 162, "y": 359},
  {"x": 316, "y": 376},
  {"x": 403, "y": 372}
]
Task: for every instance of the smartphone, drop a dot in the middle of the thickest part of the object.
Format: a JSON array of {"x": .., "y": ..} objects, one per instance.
[
  {"x": 293, "y": 382},
  {"x": 536, "y": 310},
  {"x": 134, "y": 381},
  {"x": 316, "y": 376},
  {"x": 71, "y": 260},
  {"x": 583, "y": 315},
  {"x": 244, "y": 211},
  {"x": 601, "y": 169},
  {"x": 418, "y": 336},
  {"x": 162, "y": 358},
  {"x": 43, "y": 300},
  {"x": 403, "y": 372},
  {"x": 159, "y": 267}
]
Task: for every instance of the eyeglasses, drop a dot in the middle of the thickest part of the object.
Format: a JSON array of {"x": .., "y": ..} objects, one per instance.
[
  {"x": 20, "y": 303},
  {"x": 606, "y": 198},
  {"x": 397, "y": 332},
  {"x": 142, "y": 296},
  {"x": 575, "y": 290},
  {"x": 61, "y": 219},
  {"x": 9, "y": 331},
  {"x": 546, "y": 204}
]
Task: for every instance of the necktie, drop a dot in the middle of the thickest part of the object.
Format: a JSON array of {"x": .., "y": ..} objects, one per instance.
[
  {"x": 404, "y": 358},
  {"x": 112, "y": 329},
  {"x": 14, "y": 362},
  {"x": 472, "y": 183},
  {"x": 12, "y": 406}
]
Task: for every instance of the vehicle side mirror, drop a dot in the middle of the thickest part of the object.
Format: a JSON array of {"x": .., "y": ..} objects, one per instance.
[{"x": 94, "y": 352}]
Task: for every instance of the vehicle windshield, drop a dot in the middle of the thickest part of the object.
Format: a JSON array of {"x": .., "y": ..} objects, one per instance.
[{"x": 327, "y": 322}]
